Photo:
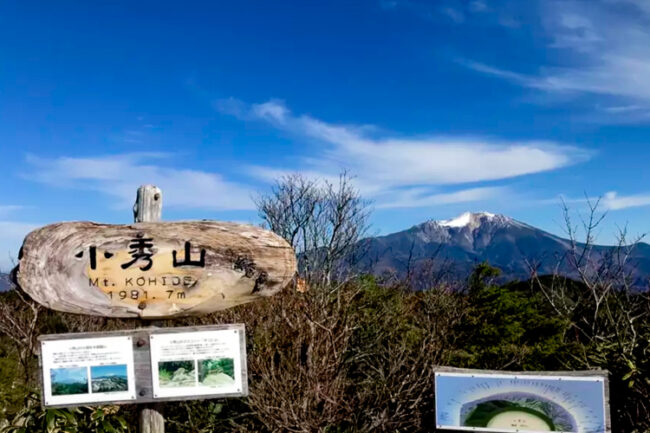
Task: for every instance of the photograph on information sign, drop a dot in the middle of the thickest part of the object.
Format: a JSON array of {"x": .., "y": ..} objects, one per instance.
[
  {"x": 87, "y": 370},
  {"x": 217, "y": 372},
  {"x": 187, "y": 364},
  {"x": 176, "y": 373},
  {"x": 67, "y": 381},
  {"x": 109, "y": 378}
]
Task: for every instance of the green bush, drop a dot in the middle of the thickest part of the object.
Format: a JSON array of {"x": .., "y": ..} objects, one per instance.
[
  {"x": 33, "y": 419},
  {"x": 360, "y": 357},
  {"x": 509, "y": 327}
]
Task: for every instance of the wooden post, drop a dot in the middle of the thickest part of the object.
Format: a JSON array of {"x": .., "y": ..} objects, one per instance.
[
  {"x": 148, "y": 208},
  {"x": 148, "y": 205}
]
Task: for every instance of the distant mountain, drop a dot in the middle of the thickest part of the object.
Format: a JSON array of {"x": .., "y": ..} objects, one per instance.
[
  {"x": 110, "y": 384},
  {"x": 5, "y": 283},
  {"x": 455, "y": 246}
]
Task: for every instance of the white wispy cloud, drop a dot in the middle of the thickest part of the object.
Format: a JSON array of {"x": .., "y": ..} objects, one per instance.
[
  {"x": 623, "y": 108},
  {"x": 9, "y": 208},
  {"x": 452, "y": 10},
  {"x": 613, "y": 201},
  {"x": 383, "y": 162},
  {"x": 478, "y": 6},
  {"x": 420, "y": 197},
  {"x": 610, "y": 201},
  {"x": 12, "y": 234},
  {"x": 456, "y": 15},
  {"x": 599, "y": 47},
  {"x": 120, "y": 175}
]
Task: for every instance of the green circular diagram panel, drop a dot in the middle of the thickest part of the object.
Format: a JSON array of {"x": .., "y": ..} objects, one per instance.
[
  {"x": 524, "y": 403},
  {"x": 519, "y": 411}
]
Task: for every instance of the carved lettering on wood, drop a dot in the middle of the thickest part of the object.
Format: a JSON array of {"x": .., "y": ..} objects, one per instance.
[{"x": 153, "y": 270}]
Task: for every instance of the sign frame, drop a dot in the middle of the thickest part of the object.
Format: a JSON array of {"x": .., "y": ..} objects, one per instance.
[
  {"x": 142, "y": 364},
  {"x": 108, "y": 353},
  {"x": 595, "y": 375}
]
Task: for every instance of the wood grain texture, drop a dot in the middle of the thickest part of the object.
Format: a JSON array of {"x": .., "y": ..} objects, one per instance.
[
  {"x": 151, "y": 421},
  {"x": 148, "y": 209},
  {"x": 148, "y": 204},
  {"x": 241, "y": 263}
]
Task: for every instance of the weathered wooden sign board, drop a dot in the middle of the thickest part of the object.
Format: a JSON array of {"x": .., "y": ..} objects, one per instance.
[
  {"x": 144, "y": 365},
  {"x": 153, "y": 270},
  {"x": 498, "y": 401},
  {"x": 149, "y": 270}
]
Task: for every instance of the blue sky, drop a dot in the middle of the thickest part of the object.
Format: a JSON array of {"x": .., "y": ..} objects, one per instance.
[
  {"x": 437, "y": 107},
  {"x": 69, "y": 375},
  {"x": 108, "y": 370}
]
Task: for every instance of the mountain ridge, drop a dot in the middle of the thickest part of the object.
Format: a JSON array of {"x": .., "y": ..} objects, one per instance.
[
  {"x": 511, "y": 245},
  {"x": 5, "y": 282}
]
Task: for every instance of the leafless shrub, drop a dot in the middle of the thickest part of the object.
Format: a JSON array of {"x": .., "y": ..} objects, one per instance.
[
  {"x": 323, "y": 221},
  {"x": 359, "y": 358},
  {"x": 19, "y": 319},
  {"x": 297, "y": 357},
  {"x": 395, "y": 361},
  {"x": 605, "y": 306},
  {"x": 607, "y": 311}
]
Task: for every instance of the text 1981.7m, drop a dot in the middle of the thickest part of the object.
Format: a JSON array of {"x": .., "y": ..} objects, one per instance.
[{"x": 137, "y": 294}]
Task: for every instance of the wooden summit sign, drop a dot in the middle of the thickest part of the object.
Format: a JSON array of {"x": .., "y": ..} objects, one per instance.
[{"x": 152, "y": 270}]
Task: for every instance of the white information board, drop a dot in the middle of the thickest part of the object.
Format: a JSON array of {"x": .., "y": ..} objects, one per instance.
[
  {"x": 198, "y": 363},
  {"x": 521, "y": 402},
  {"x": 87, "y": 370}
]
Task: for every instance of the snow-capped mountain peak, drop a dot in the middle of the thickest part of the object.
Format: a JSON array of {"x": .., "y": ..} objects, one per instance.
[
  {"x": 462, "y": 242},
  {"x": 468, "y": 219}
]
